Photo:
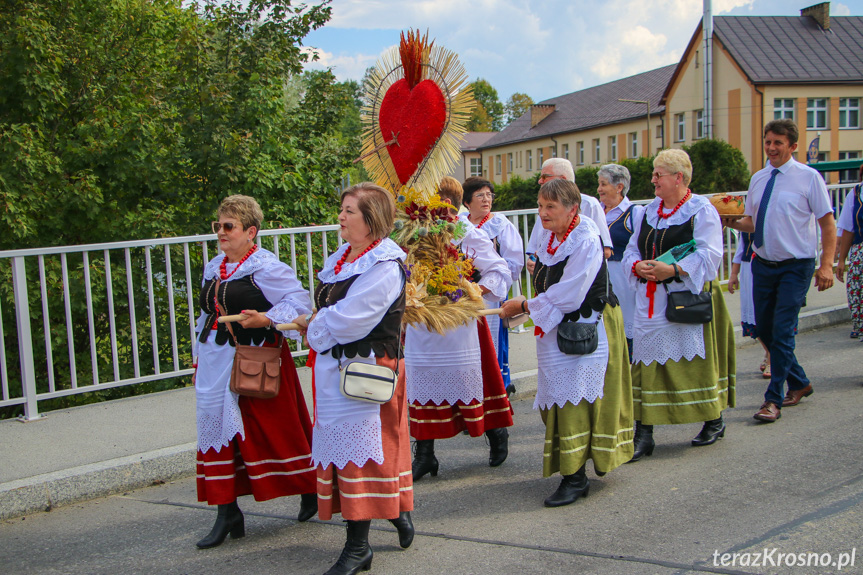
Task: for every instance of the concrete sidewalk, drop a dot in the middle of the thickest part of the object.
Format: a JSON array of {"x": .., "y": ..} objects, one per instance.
[{"x": 100, "y": 449}]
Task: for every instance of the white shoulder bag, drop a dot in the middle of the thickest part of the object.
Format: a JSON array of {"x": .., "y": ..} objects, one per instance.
[{"x": 369, "y": 382}]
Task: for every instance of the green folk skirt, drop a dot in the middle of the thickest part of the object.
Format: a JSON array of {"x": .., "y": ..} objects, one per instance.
[
  {"x": 601, "y": 430},
  {"x": 690, "y": 391}
]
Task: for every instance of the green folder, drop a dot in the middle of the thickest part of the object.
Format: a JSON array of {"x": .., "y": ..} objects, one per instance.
[{"x": 677, "y": 253}]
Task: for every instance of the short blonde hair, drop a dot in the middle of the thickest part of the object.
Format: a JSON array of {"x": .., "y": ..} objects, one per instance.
[
  {"x": 450, "y": 189},
  {"x": 676, "y": 161},
  {"x": 243, "y": 208},
  {"x": 376, "y": 205},
  {"x": 562, "y": 191}
]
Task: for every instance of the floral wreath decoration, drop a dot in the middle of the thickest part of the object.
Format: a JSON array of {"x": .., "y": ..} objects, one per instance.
[{"x": 417, "y": 105}]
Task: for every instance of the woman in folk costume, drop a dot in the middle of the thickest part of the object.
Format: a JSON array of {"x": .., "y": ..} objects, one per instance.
[
  {"x": 620, "y": 213},
  {"x": 585, "y": 400},
  {"x": 361, "y": 449},
  {"x": 478, "y": 195},
  {"x": 682, "y": 373},
  {"x": 454, "y": 382},
  {"x": 248, "y": 445},
  {"x": 850, "y": 226}
]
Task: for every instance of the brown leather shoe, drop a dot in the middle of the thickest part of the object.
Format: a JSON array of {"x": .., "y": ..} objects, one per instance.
[
  {"x": 794, "y": 396},
  {"x": 768, "y": 413}
]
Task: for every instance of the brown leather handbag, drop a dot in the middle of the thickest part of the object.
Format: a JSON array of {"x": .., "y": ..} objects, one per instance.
[{"x": 257, "y": 369}]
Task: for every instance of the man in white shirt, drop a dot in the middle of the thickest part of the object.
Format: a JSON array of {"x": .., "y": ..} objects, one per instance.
[
  {"x": 561, "y": 169},
  {"x": 785, "y": 199}
]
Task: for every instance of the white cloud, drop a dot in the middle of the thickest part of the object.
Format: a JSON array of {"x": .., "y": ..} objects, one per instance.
[
  {"x": 840, "y": 10},
  {"x": 344, "y": 67}
]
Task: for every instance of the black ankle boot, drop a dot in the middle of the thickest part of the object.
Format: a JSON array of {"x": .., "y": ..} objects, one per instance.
[
  {"x": 510, "y": 389},
  {"x": 571, "y": 488},
  {"x": 308, "y": 506},
  {"x": 643, "y": 441},
  {"x": 498, "y": 441},
  {"x": 424, "y": 459},
  {"x": 229, "y": 519},
  {"x": 357, "y": 555},
  {"x": 405, "y": 527},
  {"x": 712, "y": 430}
]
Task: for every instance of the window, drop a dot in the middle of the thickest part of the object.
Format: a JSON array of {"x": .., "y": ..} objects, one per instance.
[
  {"x": 633, "y": 144},
  {"x": 699, "y": 124},
  {"x": 848, "y": 176},
  {"x": 509, "y": 162},
  {"x": 681, "y": 127},
  {"x": 783, "y": 108},
  {"x": 612, "y": 148},
  {"x": 849, "y": 113},
  {"x": 660, "y": 131},
  {"x": 816, "y": 113},
  {"x": 529, "y": 161},
  {"x": 596, "y": 151},
  {"x": 539, "y": 158},
  {"x": 566, "y": 151},
  {"x": 476, "y": 167},
  {"x": 579, "y": 153},
  {"x": 497, "y": 164}
]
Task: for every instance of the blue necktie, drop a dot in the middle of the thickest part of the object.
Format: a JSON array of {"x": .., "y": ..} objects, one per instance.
[{"x": 762, "y": 210}]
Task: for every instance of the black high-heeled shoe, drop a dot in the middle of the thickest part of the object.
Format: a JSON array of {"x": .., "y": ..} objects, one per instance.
[
  {"x": 357, "y": 554},
  {"x": 405, "y": 527},
  {"x": 498, "y": 440},
  {"x": 229, "y": 519},
  {"x": 308, "y": 506},
  {"x": 710, "y": 433},
  {"x": 643, "y": 441},
  {"x": 424, "y": 459},
  {"x": 571, "y": 488}
]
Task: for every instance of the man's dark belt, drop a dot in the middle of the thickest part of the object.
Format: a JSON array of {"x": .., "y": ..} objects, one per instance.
[{"x": 783, "y": 263}]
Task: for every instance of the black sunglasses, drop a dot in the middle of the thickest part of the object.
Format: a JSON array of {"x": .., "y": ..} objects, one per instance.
[{"x": 227, "y": 225}]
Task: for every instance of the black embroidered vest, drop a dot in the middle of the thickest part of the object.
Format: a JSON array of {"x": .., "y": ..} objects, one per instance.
[
  {"x": 546, "y": 276},
  {"x": 234, "y": 297},
  {"x": 384, "y": 337},
  {"x": 652, "y": 243}
]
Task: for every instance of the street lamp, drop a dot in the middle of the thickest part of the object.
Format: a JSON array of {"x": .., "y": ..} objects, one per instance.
[{"x": 647, "y": 144}]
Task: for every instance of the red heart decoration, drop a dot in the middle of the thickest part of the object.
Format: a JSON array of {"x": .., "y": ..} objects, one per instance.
[{"x": 417, "y": 118}]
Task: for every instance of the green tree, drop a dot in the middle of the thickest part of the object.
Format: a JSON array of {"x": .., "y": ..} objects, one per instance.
[
  {"x": 488, "y": 116},
  {"x": 517, "y": 105},
  {"x": 517, "y": 193},
  {"x": 717, "y": 167}
]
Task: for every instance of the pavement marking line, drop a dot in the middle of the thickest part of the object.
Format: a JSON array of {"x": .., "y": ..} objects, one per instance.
[{"x": 681, "y": 567}]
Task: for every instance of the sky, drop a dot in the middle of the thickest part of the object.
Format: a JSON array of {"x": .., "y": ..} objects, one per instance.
[{"x": 542, "y": 48}]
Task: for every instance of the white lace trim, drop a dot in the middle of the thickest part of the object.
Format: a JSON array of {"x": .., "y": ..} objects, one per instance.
[
  {"x": 257, "y": 261},
  {"x": 585, "y": 229},
  {"x": 695, "y": 273},
  {"x": 348, "y": 441},
  {"x": 674, "y": 343},
  {"x": 216, "y": 430},
  {"x": 283, "y": 312},
  {"x": 387, "y": 250},
  {"x": 692, "y": 206},
  {"x": 556, "y": 385},
  {"x": 544, "y": 314},
  {"x": 319, "y": 336},
  {"x": 496, "y": 284},
  {"x": 445, "y": 384}
]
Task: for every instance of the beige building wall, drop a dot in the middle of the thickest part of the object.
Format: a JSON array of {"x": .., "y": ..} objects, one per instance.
[{"x": 528, "y": 156}]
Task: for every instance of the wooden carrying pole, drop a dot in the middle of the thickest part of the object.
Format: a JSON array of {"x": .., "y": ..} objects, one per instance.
[{"x": 293, "y": 326}]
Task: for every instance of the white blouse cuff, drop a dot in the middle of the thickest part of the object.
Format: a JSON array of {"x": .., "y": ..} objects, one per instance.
[
  {"x": 544, "y": 314},
  {"x": 285, "y": 312},
  {"x": 496, "y": 283},
  {"x": 319, "y": 336},
  {"x": 694, "y": 267}
]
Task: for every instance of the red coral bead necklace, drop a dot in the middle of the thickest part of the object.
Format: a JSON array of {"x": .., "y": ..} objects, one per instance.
[
  {"x": 677, "y": 207},
  {"x": 484, "y": 220},
  {"x": 341, "y": 262},
  {"x": 553, "y": 250},
  {"x": 223, "y": 267}
]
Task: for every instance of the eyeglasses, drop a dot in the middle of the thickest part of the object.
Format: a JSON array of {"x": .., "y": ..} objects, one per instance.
[
  {"x": 656, "y": 175},
  {"x": 549, "y": 177},
  {"x": 484, "y": 196},
  {"x": 229, "y": 226}
]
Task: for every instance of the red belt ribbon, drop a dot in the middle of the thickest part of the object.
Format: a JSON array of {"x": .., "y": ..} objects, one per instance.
[{"x": 651, "y": 290}]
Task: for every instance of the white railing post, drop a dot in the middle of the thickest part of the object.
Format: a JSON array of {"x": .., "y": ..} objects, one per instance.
[{"x": 25, "y": 343}]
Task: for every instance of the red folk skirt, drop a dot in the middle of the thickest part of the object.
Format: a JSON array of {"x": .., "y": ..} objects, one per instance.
[
  {"x": 374, "y": 491},
  {"x": 274, "y": 459},
  {"x": 430, "y": 421}
]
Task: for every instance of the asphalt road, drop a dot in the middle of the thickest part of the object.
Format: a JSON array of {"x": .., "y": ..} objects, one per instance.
[{"x": 792, "y": 487}]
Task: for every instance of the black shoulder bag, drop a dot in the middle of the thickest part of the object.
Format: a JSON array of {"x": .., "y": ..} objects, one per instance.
[
  {"x": 574, "y": 338},
  {"x": 687, "y": 307}
]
